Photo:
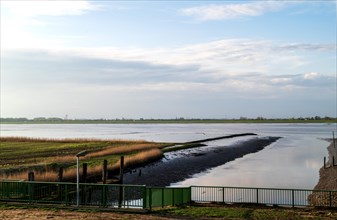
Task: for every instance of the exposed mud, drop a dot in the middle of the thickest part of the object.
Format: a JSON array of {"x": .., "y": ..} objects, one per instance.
[{"x": 173, "y": 168}]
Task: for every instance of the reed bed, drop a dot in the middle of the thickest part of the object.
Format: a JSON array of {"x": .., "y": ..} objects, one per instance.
[
  {"x": 140, "y": 158},
  {"x": 44, "y": 156},
  {"x": 67, "y": 140},
  {"x": 123, "y": 149}
]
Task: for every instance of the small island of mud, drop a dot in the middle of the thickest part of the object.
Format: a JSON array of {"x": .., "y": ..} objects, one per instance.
[{"x": 179, "y": 165}]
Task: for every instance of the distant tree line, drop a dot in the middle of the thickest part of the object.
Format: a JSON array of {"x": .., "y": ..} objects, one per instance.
[{"x": 61, "y": 120}]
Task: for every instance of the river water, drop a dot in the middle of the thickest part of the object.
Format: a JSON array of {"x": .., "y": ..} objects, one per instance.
[{"x": 291, "y": 162}]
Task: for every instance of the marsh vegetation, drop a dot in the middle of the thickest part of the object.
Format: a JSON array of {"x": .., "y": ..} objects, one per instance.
[{"x": 45, "y": 156}]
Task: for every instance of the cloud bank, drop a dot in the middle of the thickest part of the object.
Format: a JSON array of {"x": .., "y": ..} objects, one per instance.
[{"x": 232, "y": 11}]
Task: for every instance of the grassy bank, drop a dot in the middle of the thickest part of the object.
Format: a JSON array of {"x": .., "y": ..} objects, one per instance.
[{"x": 44, "y": 156}]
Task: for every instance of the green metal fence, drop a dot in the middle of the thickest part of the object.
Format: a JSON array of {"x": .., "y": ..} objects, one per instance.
[
  {"x": 135, "y": 196},
  {"x": 100, "y": 195},
  {"x": 267, "y": 196},
  {"x": 160, "y": 197}
]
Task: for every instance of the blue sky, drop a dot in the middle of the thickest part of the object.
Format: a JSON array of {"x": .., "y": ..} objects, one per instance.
[{"x": 167, "y": 59}]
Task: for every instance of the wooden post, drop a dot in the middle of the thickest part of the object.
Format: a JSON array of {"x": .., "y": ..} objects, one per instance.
[
  {"x": 31, "y": 176},
  {"x": 85, "y": 172},
  {"x": 324, "y": 162},
  {"x": 105, "y": 171},
  {"x": 60, "y": 174},
  {"x": 121, "y": 171},
  {"x": 333, "y": 139}
]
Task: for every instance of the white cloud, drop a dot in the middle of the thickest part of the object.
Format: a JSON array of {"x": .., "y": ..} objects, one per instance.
[
  {"x": 232, "y": 11},
  {"x": 312, "y": 75}
]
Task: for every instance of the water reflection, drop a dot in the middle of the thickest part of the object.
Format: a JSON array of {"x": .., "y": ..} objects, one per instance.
[
  {"x": 288, "y": 163},
  {"x": 291, "y": 162}
]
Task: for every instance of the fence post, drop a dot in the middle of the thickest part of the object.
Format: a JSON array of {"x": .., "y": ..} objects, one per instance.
[
  {"x": 223, "y": 195},
  {"x": 324, "y": 162},
  {"x": 30, "y": 192},
  {"x": 257, "y": 195},
  {"x": 144, "y": 197},
  {"x": 150, "y": 198},
  {"x": 104, "y": 195},
  {"x": 66, "y": 198},
  {"x": 121, "y": 188},
  {"x": 162, "y": 197},
  {"x": 293, "y": 197}
]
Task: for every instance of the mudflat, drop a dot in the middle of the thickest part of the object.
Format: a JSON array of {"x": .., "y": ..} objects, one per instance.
[{"x": 171, "y": 170}]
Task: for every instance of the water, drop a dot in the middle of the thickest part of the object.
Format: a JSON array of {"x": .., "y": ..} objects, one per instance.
[{"x": 291, "y": 162}]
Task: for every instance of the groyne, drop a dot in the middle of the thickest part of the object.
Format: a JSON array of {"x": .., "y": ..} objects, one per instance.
[{"x": 165, "y": 172}]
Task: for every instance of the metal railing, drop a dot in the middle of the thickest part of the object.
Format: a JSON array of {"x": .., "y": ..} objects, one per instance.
[
  {"x": 162, "y": 196},
  {"x": 101, "y": 195},
  {"x": 139, "y": 196},
  {"x": 267, "y": 196}
]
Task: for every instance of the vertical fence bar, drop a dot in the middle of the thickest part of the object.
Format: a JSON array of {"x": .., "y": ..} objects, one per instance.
[
  {"x": 162, "y": 197},
  {"x": 257, "y": 196},
  {"x": 150, "y": 198},
  {"x": 30, "y": 192},
  {"x": 144, "y": 197},
  {"x": 293, "y": 198}
]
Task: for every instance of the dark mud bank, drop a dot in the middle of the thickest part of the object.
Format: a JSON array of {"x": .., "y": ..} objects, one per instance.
[{"x": 167, "y": 171}]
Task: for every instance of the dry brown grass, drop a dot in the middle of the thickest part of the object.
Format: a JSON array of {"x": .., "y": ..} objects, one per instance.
[
  {"x": 139, "y": 158},
  {"x": 123, "y": 149},
  {"x": 66, "y": 140}
]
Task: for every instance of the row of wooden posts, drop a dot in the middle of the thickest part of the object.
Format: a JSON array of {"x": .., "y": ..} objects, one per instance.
[
  {"x": 333, "y": 156},
  {"x": 85, "y": 173}
]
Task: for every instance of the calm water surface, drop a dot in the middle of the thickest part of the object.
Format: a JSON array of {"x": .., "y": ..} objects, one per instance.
[{"x": 291, "y": 162}]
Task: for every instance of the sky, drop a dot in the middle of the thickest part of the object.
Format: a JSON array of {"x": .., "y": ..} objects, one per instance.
[{"x": 168, "y": 59}]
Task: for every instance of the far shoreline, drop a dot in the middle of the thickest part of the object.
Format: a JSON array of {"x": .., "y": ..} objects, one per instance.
[{"x": 315, "y": 120}]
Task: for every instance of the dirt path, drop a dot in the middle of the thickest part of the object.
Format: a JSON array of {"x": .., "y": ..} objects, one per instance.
[{"x": 18, "y": 214}]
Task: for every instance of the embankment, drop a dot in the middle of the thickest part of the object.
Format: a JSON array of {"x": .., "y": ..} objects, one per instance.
[
  {"x": 168, "y": 171},
  {"x": 328, "y": 175},
  {"x": 327, "y": 180}
]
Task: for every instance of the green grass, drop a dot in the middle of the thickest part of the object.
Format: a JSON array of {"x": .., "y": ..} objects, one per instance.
[{"x": 28, "y": 153}]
